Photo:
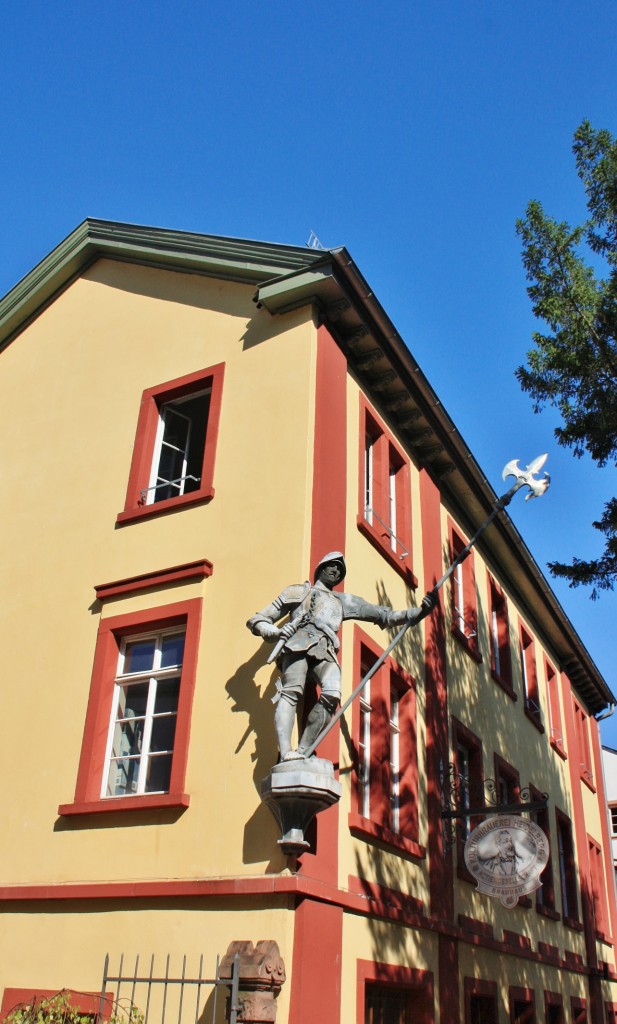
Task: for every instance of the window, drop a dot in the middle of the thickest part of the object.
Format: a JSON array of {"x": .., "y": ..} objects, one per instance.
[
  {"x": 554, "y": 710},
  {"x": 545, "y": 895},
  {"x": 464, "y": 600},
  {"x": 389, "y": 994},
  {"x": 579, "y": 1010},
  {"x": 584, "y": 750},
  {"x": 385, "y": 781},
  {"x": 501, "y": 658},
  {"x": 468, "y": 765},
  {"x": 530, "y": 678},
  {"x": 553, "y": 1008},
  {"x": 384, "y": 516},
  {"x": 135, "y": 744},
  {"x": 598, "y": 888},
  {"x": 507, "y": 782},
  {"x": 613, "y": 812},
  {"x": 175, "y": 445},
  {"x": 522, "y": 1005},
  {"x": 143, "y": 725},
  {"x": 480, "y": 1001},
  {"x": 567, "y": 869}
]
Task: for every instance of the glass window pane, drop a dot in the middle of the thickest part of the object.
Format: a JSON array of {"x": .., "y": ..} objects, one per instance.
[
  {"x": 172, "y": 650},
  {"x": 122, "y": 778},
  {"x": 128, "y": 737},
  {"x": 139, "y": 655},
  {"x": 166, "y": 695},
  {"x": 171, "y": 463},
  {"x": 177, "y": 428},
  {"x": 132, "y": 701},
  {"x": 159, "y": 773},
  {"x": 163, "y": 732}
]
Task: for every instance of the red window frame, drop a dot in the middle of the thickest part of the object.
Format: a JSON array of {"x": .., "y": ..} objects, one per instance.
[
  {"x": 578, "y": 1007},
  {"x": 584, "y": 749},
  {"x": 112, "y": 631},
  {"x": 545, "y": 896},
  {"x": 598, "y": 889},
  {"x": 478, "y": 988},
  {"x": 529, "y": 671},
  {"x": 463, "y": 585},
  {"x": 507, "y": 781},
  {"x": 522, "y": 1005},
  {"x": 464, "y": 737},
  {"x": 386, "y": 456},
  {"x": 418, "y": 983},
  {"x": 554, "y": 1012},
  {"x": 499, "y": 637},
  {"x": 378, "y": 824},
  {"x": 556, "y": 730},
  {"x": 152, "y": 400},
  {"x": 567, "y": 876}
]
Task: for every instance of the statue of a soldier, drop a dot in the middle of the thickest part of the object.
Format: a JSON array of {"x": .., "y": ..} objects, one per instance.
[{"x": 308, "y": 644}]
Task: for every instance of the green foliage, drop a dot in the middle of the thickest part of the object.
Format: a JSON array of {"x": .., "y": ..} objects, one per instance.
[
  {"x": 60, "y": 1009},
  {"x": 574, "y": 366}
]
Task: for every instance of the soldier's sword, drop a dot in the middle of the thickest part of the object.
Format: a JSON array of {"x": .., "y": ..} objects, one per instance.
[{"x": 524, "y": 478}]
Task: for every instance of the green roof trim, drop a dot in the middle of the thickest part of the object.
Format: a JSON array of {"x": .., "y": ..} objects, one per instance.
[{"x": 234, "y": 259}]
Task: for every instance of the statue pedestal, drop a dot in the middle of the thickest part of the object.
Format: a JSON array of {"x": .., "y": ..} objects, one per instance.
[{"x": 295, "y": 791}]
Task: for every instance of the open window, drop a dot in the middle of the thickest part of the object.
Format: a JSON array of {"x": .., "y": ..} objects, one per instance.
[
  {"x": 499, "y": 629},
  {"x": 581, "y": 723},
  {"x": 529, "y": 672},
  {"x": 463, "y": 595},
  {"x": 554, "y": 710},
  {"x": 384, "y": 515},
  {"x": 175, "y": 444}
]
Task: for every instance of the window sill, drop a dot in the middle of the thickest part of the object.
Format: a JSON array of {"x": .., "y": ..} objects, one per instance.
[
  {"x": 363, "y": 828},
  {"x": 380, "y": 541},
  {"x": 570, "y": 922},
  {"x": 151, "y": 801},
  {"x": 603, "y": 937},
  {"x": 559, "y": 749},
  {"x": 505, "y": 686},
  {"x": 160, "y": 507},
  {"x": 587, "y": 778},
  {"x": 534, "y": 719},
  {"x": 547, "y": 912},
  {"x": 467, "y": 645}
]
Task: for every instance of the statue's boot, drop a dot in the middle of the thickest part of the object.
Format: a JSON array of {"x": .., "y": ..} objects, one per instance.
[
  {"x": 284, "y": 718},
  {"x": 317, "y": 721}
]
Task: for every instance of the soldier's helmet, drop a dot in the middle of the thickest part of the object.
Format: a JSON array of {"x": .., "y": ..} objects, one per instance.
[{"x": 332, "y": 556}]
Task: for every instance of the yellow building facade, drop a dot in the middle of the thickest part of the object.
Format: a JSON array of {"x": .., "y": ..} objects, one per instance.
[{"x": 205, "y": 419}]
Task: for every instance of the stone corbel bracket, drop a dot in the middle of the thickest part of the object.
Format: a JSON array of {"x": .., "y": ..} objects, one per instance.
[{"x": 262, "y": 973}]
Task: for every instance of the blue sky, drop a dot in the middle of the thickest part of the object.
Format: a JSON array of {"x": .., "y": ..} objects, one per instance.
[{"x": 412, "y": 133}]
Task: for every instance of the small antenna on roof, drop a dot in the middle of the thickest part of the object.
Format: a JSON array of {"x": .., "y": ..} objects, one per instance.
[{"x": 313, "y": 242}]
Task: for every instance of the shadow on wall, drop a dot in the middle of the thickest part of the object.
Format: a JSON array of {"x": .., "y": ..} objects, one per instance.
[{"x": 260, "y": 831}]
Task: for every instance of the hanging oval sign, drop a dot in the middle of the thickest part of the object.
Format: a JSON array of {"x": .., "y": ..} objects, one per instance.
[{"x": 506, "y": 855}]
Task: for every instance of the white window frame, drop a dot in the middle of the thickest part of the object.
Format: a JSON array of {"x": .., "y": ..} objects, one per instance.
[
  {"x": 122, "y": 682},
  {"x": 364, "y": 752},
  {"x": 179, "y": 483},
  {"x": 395, "y": 759}
]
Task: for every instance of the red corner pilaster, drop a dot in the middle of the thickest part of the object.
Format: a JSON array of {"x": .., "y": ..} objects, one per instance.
[
  {"x": 596, "y": 1015},
  {"x": 328, "y": 534},
  {"x": 437, "y": 750},
  {"x": 606, "y": 839},
  {"x": 316, "y": 971}
]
